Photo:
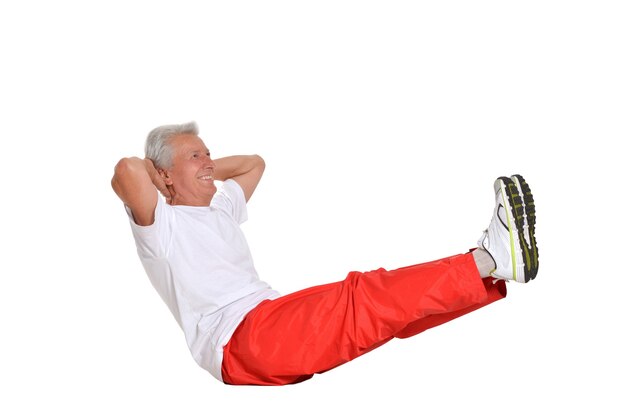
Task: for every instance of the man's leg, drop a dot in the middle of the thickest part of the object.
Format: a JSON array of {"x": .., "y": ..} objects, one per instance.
[{"x": 289, "y": 339}]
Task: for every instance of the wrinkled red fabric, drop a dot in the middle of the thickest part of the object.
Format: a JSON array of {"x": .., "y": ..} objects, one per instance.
[{"x": 289, "y": 339}]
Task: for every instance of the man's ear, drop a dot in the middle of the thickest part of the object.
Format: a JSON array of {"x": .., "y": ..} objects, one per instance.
[{"x": 165, "y": 175}]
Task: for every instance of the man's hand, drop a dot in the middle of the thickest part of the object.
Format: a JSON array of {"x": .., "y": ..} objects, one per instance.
[{"x": 157, "y": 180}]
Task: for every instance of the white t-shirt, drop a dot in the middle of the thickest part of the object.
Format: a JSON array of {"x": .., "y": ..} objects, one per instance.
[{"x": 198, "y": 260}]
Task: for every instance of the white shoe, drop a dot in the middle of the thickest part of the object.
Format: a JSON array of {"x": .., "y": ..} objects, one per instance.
[{"x": 504, "y": 238}]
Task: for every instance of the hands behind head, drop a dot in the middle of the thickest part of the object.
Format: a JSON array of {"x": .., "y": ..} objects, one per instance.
[{"x": 166, "y": 190}]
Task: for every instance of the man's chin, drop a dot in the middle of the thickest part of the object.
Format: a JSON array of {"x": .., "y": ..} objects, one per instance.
[{"x": 212, "y": 189}]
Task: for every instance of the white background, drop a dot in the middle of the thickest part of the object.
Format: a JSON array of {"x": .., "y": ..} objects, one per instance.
[{"x": 383, "y": 125}]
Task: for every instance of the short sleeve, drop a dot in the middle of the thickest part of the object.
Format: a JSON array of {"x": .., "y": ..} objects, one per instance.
[
  {"x": 231, "y": 199},
  {"x": 152, "y": 240}
]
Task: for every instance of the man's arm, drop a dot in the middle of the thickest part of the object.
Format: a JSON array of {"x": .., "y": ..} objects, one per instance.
[
  {"x": 135, "y": 182},
  {"x": 247, "y": 170}
]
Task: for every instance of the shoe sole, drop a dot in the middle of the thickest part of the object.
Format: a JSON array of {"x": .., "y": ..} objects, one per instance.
[
  {"x": 515, "y": 219},
  {"x": 528, "y": 221}
]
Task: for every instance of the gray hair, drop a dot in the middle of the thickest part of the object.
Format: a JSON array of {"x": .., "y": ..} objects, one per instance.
[{"x": 158, "y": 147}]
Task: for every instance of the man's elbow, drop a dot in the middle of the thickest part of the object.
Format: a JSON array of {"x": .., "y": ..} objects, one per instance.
[
  {"x": 259, "y": 162},
  {"x": 125, "y": 168}
]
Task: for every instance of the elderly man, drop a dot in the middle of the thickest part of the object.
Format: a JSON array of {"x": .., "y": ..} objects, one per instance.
[{"x": 244, "y": 332}]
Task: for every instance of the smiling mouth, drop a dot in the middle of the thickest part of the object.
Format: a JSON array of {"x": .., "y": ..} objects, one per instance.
[{"x": 206, "y": 177}]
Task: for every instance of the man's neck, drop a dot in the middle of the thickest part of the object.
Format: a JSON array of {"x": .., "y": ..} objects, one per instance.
[{"x": 203, "y": 201}]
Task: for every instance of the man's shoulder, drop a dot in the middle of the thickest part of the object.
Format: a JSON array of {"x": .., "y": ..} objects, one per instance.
[{"x": 230, "y": 199}]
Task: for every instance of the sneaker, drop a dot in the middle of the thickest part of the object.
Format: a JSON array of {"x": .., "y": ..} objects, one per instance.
[
  {"x": 504, "y": 238},
  {"x": 528, "y": 224}
]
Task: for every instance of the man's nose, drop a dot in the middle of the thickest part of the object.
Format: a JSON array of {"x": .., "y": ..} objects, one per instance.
[{"x": 208, "y": 162}]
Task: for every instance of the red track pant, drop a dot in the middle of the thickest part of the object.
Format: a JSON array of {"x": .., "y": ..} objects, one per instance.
[{"x": 287, "y": 340}]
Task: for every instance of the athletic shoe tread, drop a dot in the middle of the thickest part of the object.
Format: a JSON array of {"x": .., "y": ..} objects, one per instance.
[
  {"x": 517, "y": 207},
  {"x": 529, "y": 220}
]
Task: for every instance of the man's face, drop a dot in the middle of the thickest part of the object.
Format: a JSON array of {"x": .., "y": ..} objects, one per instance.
[{"x": 191, "y": 173}]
